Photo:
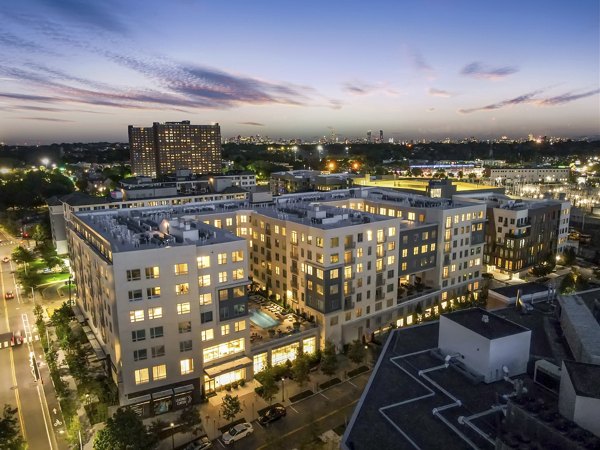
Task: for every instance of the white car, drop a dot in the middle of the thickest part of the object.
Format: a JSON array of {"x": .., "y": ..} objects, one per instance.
[{"x": 238, "y": 432}]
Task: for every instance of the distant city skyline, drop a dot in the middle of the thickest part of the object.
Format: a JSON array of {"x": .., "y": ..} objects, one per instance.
[{"x": 73, "y": 70}]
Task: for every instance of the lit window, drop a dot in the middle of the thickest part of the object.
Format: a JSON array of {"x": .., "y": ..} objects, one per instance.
[
  {"x": 136, "y": 316},
  {"x": 237, "y": 256},
  {"x": 153, "y": 292},
  {"x": 224, "y": 330},
  {"x": 159, "y": 372},
  {"x": 186, "y": 366},
  {"x": 141, "y": 376},
  {"x": 152, "y": 272},
  {"x": 155, "y": 313},
  {"x": 182, "y": 288},
  {"x": 334, "y": 273},
  {"x": 392, "y": 231},
  {"x": 240, "y": 325},
  {"x": 223, "y": 350},
  {"x": 238, "y": 274},
  {"x": 203, "y": 262},
  {"x": 205, "y": 299},
  {"x": 207, "y": 335},
  {"x": 183, "y": 308},
  {"x": 204, "y": 280},
  {"x": 181, "y": 269},
  {"x": 222, "y": 258},
  {"x": 222, "y": 277}
]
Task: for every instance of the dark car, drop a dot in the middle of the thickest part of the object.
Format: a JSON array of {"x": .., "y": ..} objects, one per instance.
[
  {"x": 202, "y": 443},
  {"x": 275, "y": 412},
  {"x": 9, "y": 295}
]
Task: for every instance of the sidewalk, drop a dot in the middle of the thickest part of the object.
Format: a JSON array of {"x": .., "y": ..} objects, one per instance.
[{"x": 252, "y": 402}]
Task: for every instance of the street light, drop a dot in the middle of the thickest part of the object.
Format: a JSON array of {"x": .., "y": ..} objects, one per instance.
[
  {"x": 172, "y": 435},
  {"x": 282, "y": 389}
]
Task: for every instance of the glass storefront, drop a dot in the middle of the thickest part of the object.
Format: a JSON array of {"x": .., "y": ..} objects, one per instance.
[
  {"x": 282, "y": 354},
  {"x": 214, "y": 384},
  {"x": 309, "y": 345},
  {"x": 260, "y": 362}
]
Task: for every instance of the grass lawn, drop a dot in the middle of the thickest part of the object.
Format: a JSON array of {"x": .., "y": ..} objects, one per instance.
[
  {"x": 54, "y": 277},
  {"x": 38, "y": 264}
]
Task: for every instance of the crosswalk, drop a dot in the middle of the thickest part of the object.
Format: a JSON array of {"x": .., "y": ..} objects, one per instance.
[{"x": 10, "y": 342}]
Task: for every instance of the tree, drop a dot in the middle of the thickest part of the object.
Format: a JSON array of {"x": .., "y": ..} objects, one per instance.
[
  {"x": 10, "y": 435},
  {"x": 569, "y": 256},
  {"x": 22, "y": 255},
  {"x": 190, "y": 420},
  {"x": 301, "y": 369},
  {"x": 269, "y": 385},
  {"x": 125, "y": 431},
  {"x": 38, "y": 234},
  {"x": 329, "y": 362},
  {"x": 357, "y": 352},
  {"x": 231, "y": 407}
]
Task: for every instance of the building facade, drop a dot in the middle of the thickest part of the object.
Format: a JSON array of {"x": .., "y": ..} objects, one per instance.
[
  {"x": 167, "y": 147},
  {"x": 530, "y": 175},
  {"x": 523, "y": 233}
]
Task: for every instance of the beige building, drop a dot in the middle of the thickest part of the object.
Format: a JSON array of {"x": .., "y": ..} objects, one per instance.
[{"x": 165, "y": 295}]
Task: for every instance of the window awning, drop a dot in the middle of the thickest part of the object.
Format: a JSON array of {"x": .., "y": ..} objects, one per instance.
[
  {"x": 228, "y": 366},
  {"x": 182, "y": 389},
  {"x": 162, "y": 394}
]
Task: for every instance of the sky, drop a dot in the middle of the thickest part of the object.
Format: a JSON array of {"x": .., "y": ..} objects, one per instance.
[{"x": 83, "y": 70}]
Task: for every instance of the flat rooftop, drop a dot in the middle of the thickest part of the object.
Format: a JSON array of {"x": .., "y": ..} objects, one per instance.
[
  {"x": 409, "y": 382},
  {"x": 319, "y": 215},
  {"x": 395, "y": 197},
  {"x": 149, "y": 228},
  {"x": 525, "y": 288},
  {"x": 396, "y": 406},
  {"x": 484, "y": 323},
  {"x": 584, "y": 378}
]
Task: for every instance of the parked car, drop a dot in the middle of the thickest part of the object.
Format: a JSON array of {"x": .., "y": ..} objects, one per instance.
[
  {"x": 5, "y": 259},
  {"x": 237, "y": 432},
  {"x": 202, "y": 443},
  {"x": 9, "y": 295},
  {"x": 47, "y": 270},
  {"x": 275, "y": 412}
]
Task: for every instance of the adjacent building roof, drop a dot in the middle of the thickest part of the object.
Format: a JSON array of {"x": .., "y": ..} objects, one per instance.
[
  {"x": 525, "y": 288},
  {"x": 585, "y": 378},
  {"x": 484, "y": 323}
]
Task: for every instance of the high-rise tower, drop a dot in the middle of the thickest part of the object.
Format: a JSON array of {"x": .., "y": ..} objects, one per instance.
[{"x": 167, "y": 147}]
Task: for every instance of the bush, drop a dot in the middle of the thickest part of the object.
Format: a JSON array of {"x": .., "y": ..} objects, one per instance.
[{"x": 242, "y": 382}]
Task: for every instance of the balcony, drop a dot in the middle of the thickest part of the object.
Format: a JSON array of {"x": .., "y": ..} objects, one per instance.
[
  {"x": 379, "y": 296},
  {"x": 294, "y": 269},
  {"x": 349, "y": 245}
]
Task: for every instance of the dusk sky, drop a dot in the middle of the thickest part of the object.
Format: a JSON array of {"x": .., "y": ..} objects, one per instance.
[{"x": 82, "y": 70}]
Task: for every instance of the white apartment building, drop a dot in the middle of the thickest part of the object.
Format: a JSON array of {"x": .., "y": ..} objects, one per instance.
[
  {"x": 165, "y": 294},
  {"x": 530, "y": 175}
]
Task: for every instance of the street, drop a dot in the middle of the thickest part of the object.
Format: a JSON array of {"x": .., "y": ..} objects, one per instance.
[
  {"x": 307, "y": 418},
  {"x": 18, "y": 384}
]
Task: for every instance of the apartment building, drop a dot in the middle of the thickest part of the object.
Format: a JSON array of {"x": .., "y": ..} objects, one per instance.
[
  {"x": 62, "y": 208},
  {"x": 522, "y": 233},
  {"x": 167, "y": 147},
  {"x": 293, "y": 181},
  {"x": 165, "y": 295},
  {"x": 529, "y": 174},
  {"x": 455, "y": 239},
  {"x": 336, "y": 266}
]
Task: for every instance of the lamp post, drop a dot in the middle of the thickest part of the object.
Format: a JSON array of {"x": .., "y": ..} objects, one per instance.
[
  {"x": 282, "y": 389},
  {"x": 172, "y": 435}
]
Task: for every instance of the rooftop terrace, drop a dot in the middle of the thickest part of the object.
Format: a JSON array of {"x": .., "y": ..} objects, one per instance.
[{"x": 139, "y": 229}]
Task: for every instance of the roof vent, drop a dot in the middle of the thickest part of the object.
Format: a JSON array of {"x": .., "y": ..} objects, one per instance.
[{"x": 485, "y": 318}]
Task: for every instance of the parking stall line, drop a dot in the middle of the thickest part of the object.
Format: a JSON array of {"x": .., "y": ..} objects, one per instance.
[
  {"x": 324, "y": 395},
  {"x": 294, "y": 409}
]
